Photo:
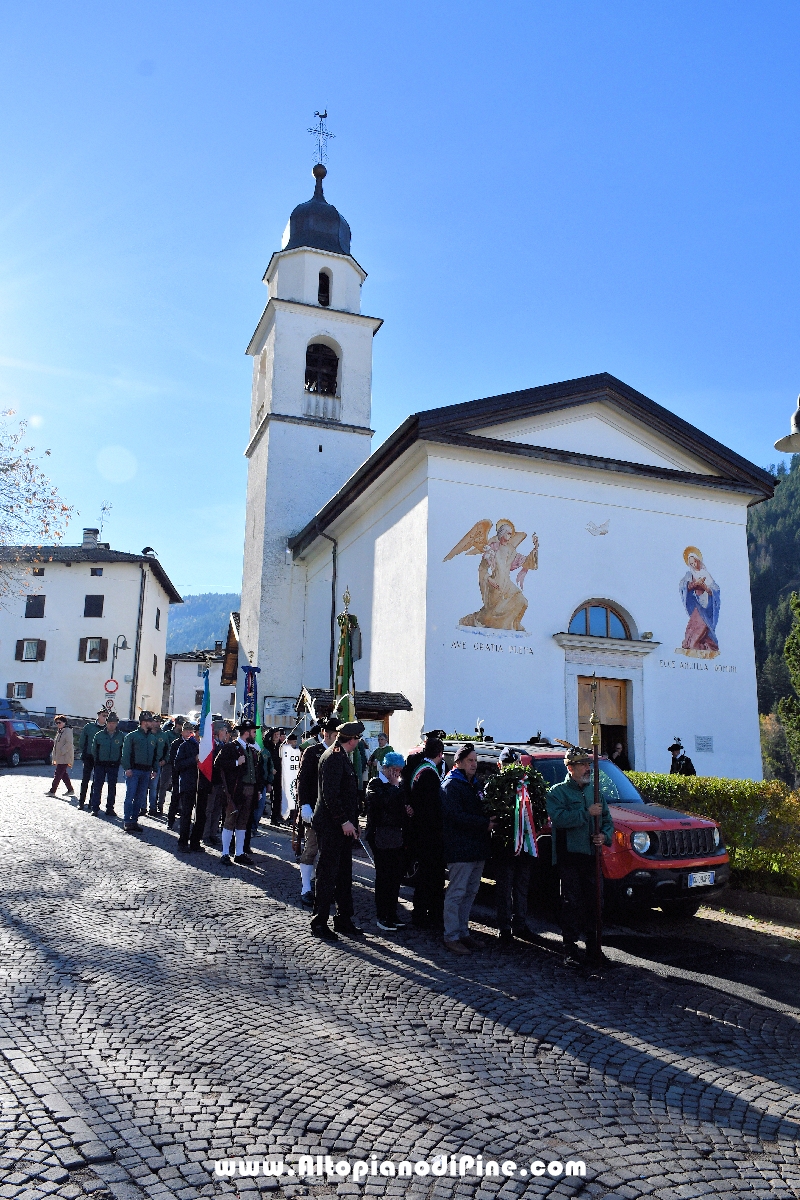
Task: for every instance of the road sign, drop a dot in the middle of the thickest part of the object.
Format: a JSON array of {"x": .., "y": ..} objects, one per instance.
[
  {"x": 109, "y": 704},
  {"x": 111, "y": 686}
]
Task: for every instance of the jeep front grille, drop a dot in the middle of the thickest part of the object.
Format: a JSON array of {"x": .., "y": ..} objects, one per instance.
[{"x": 682, "y": 843}]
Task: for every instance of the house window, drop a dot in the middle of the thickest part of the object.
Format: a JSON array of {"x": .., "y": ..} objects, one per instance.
[
  {"x": 198, "y": 696},
  {"x": 233, "y": 699},
  {"x": 93, "y": 649},
  {"x": 93, "y": 606},
  {"x": 200, "y": 668},
  {"x": 158, "y": 618},
  {"x": 155, "y": 664},
  {"x": 19, "y": 691},
  {"x": 599, "y": 620},
  {"x": 324, "y": 289},
  {"x": 96, "y": 571},
  {"x": 34, "y": 606},
  {"x": 30, "y": 650},
  {"x": 322, "y": 368},
  {"x": 37, "y": 571}
]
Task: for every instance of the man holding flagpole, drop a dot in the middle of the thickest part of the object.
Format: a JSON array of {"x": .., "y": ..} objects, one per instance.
[{"x": 241, "y": 769}]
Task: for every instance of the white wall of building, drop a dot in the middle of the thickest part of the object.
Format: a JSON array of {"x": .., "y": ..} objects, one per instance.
[{"x": 61, "y": 680}]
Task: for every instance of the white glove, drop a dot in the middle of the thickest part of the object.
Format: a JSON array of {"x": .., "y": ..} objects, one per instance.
[{"x": 307, "y": 813}]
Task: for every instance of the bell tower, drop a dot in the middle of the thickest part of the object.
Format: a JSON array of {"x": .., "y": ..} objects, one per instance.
[{"x": 309, "y": 424}]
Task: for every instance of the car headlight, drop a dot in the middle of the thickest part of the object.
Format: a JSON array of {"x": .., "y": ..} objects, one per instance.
[
  {"x": 716, "y": 837},
  {"x": 640, "y": 842}
]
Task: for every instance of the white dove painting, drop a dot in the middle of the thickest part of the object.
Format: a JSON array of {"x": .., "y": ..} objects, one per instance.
[{"x": 598, "y": 530}]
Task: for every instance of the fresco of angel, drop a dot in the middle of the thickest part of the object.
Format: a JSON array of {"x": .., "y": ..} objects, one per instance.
[
  {"x": 504, "y": 602},
  {"x": 700, "y": 595}
]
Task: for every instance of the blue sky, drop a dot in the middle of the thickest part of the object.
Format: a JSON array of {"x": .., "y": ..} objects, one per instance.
[{"x": 537, "y": 190}]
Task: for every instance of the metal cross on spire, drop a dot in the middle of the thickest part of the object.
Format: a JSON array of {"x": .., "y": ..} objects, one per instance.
[{"x": 322, "y": 135}]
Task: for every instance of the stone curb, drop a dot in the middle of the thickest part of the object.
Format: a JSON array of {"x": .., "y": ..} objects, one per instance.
[{"x": 756, "y": 904}]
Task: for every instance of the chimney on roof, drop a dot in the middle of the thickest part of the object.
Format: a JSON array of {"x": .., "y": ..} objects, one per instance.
[
  {"x": 90, "y": 537},
  {"x": 217, "y": 646}
]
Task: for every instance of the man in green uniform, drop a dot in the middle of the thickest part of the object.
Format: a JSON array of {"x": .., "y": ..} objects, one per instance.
[
  {"x": 107, "y": 755},
  {"x": 572, "y": 813},
  {"x": 85, "y": 746},
  {"x": 138, "y": 762}
]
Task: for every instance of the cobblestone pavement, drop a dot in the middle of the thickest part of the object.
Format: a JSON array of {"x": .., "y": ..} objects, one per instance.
[{"x": 160, "y": 1012}]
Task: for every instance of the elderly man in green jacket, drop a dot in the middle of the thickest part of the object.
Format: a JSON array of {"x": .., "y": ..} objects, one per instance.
[{"x": 572, "y": 813}]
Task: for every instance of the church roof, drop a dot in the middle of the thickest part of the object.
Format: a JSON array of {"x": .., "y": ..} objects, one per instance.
[
  {"x": 317, "y": 224},
  {"x": 460, "y": 425}
]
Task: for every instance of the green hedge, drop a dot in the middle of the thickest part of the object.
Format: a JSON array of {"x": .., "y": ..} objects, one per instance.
[{"x": 760, "y": 823}]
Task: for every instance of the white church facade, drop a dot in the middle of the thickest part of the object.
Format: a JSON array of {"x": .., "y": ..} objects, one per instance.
[{"x": 498, "y": 553}]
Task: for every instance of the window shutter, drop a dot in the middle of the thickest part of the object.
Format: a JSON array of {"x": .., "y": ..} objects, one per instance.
[
  {"x": 103, "y": 650},
  {"x": 40, "y": 649},
  {"x": 18, "y": 653},
  {"x": 28, "y": 691},
  {"x": 82, "y": 649},
  {"x": 9, "y": 691}
]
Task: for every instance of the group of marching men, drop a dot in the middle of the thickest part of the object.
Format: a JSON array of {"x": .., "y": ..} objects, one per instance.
[{"x": 409, "y": 807}]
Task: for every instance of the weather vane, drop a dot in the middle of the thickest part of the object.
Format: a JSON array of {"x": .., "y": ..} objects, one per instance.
[{"x": 322, "y": 135}]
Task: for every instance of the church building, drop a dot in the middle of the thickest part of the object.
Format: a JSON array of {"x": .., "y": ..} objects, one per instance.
[{"x": 498, "y": 553}]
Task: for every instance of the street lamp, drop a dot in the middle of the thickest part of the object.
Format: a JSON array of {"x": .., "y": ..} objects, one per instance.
[
  {"x": 120, "y": 644},
  {"x": 791, "y": 443}
]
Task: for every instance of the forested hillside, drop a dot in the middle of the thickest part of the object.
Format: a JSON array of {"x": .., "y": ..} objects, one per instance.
[
  {"x": 773, "y": 534},
  {"x": 200, "y": 621}
]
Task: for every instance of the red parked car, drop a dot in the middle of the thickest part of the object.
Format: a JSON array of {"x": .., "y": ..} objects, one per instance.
[{"x": 22, "y": 740}]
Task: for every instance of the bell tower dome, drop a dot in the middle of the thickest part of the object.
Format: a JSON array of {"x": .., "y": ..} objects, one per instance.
[{"x": 310, "y": 418}]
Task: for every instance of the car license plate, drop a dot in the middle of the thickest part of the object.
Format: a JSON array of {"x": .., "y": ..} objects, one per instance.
[{"x": 701, "y": 879}]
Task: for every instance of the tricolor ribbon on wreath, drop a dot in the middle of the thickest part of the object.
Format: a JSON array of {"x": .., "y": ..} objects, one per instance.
[{"x": 524, "y": 830}]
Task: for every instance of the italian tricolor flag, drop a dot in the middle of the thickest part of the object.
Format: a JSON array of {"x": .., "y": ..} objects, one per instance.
[{"x": 206, "y": 731}]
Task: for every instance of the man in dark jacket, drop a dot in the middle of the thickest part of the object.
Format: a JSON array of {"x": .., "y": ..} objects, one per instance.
[
  {"x": 572, "y": 811},
  {"x": 467, "y": 841},
  {"x": 336, "y": 826},
  {"x": 304, "y": 837},
  {"x": 107, "y": 755},
  {"x": 425, "y": 800},
  {"x": 681, "y": 763},
  {"x": 223, "y": 732},
  {"x": 88, "y": 734},
  {"x": 241, "y": 770},
  {"x": 185, "y": 767}
]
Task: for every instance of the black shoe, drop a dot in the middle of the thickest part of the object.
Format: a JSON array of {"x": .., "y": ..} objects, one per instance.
[
  {"x": 506, "y": 937},
  {"x": 184, "y": 846},
  {"x": 170, "y": 824},
  {"x": 307, "y": 899},
  {"x": 244, "y": 859},
  {"x": 525, "y": 935},
  {"x": 226, "y": 859},
  {"x": 388, "y": 926},
  {"x": 130, "y": 829},
  {"x": 324, "y": 931},
  {"x": 110, "y": 811},
  {"x": 573, "y": 957},
  {"x": 137, "y": 828},
  {"x": 81, "y": 803},
  {"x": 347, "y": 928},
  {"x": 197, "y": 849}
]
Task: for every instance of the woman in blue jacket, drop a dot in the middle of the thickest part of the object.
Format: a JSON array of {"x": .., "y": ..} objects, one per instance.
[{"x": 467, "y": 834}]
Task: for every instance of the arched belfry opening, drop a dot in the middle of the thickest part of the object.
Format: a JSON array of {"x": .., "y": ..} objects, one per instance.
[
  {"x": 322, "y": 369},
  {"x": 324, "y": 289}
]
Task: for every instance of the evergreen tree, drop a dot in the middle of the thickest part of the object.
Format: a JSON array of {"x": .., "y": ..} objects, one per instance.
[{"x": 789, "y": 706}]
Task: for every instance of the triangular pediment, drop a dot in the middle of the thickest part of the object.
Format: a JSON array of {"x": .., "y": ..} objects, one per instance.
[{"x": 598, "y": 429}]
